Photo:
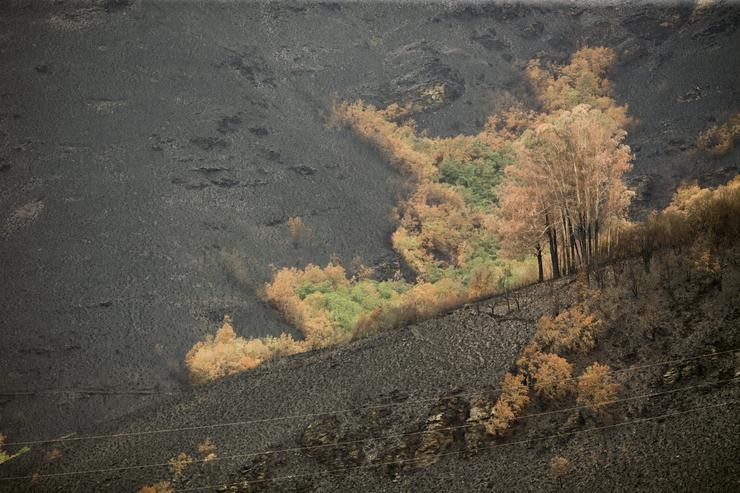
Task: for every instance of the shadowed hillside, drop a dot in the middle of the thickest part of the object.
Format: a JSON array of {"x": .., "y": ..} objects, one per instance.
[{"x": 154, "y": 157}]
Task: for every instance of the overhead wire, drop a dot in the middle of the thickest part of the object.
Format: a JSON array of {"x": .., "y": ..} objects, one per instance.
[
  {"x": 445, "y": 454},
  {"x": 335, "y": 412},
  {"x": 351, "y": 442}
]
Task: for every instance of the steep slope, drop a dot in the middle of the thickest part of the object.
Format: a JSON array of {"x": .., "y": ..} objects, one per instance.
[
  {"x": 397, "y": 412},
  {"x": 145, "y": 143}
]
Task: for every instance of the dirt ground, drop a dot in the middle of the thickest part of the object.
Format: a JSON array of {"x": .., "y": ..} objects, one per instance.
[
  {"x": 152, "y": 152},
  {"x": 341, "y": 420}
]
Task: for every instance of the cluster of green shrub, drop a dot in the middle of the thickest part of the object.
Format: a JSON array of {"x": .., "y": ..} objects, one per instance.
[
  {"x": 348, "y": 302},
  {"x": 476, "y": 178},
  {"x": 449, "y": 230}
]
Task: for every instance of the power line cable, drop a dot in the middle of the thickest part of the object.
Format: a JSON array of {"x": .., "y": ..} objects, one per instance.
[
  {"x": 350, "y": 442},
  {"x": 335, "y": 412},
  {"x": 86, "y": 392},
  {"x": 498, "y": 445}
]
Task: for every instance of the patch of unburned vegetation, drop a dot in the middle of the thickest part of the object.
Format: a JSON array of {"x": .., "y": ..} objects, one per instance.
[
  {"x": 6, "y": 456},
  {"x": 225, "y": 353},
  {"x": 484, "y": 212}
]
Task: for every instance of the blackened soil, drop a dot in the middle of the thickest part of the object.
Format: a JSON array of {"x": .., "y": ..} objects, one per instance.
[
  {"x": 143, "y": 142},
  {"x": 396, "y": 412}
]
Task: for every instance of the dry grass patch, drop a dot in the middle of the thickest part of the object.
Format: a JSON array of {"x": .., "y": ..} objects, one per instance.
[
  {"x": 179, "y": 464},
  {"x": 207, "y": 450},
  {"x": 559, "y": 467},
  {"x": 52, "y": 455},
  {"x": 24, "y": 215},
  {"x": 160, "y": 487},
  {"x": 297, "y": 230},
  {"x": 720, "y": 140}
]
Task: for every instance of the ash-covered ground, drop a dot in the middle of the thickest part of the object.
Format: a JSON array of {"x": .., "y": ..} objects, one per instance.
[{"x": 145, "y": 145}]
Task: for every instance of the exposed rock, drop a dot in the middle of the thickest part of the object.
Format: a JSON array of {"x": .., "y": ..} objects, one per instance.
[
  {"x": 533, "y": 30},
  {"x": 443, "y": 426},
  {"x": 724, "y": 20},
  {"x": 253, "y": 68},
  {"x": 480, "y": 412},
  {"x": 689, "y": 370},
  {"x": 671, "y": 376},
  {"x": 427, "y": 81},
  {"x": 490, "y": 41},
  {"x": 321, "y": 441},
  {"x": 503, "y": 11},
  {"x": 209, "y": 143},
  {"x": 303, "y": 169},
  {"x": 229, "y": 124},
  {"x": 654, "y": 24},
  {"x": 259, "y": 469},
  {"x": 642, "y": 186},
  {"x": 117, "y": 5},
  {"x": 630, "y": 51}
]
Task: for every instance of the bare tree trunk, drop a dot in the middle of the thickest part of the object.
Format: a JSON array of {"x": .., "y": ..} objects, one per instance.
[
  {"x": 540, "y": 271},
  {"x": 567, "y": 250},
  {"x": 575, "y": 256},
  {"x": 552, "y": 238},
  {"x": 596, "y": 241}
]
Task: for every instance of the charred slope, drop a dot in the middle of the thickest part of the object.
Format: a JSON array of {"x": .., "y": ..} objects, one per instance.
[
  {"x": 399, "y": 411},
  {"x": 143, "y": 143}
]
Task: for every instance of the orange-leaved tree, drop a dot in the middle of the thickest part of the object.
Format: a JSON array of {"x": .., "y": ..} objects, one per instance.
[
  {"x": 597, "y": 388},
  {"x": 583, "y": 81},
  {"x": 570, "y": 166},
  {"x": 552, "y": 376},
  {"x": 514, "y": 396},
  {"x": 571, "y": 330}
]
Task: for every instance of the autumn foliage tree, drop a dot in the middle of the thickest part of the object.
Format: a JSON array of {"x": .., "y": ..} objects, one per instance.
[
  {"x": 582, "y": 81},
  {"x": 445, "y": 220},
  {"x": 571, "y": 167},
  {"x": 552, "y": 375},
  {"x": 519, "y": 224},
  {"x": 709, "y": 214},
  {"x": 571, "y": 330},
  {"x": 565, "y": 190},
  {"x": 596, "y": 389},
  {"x": 512, "y": 400}
]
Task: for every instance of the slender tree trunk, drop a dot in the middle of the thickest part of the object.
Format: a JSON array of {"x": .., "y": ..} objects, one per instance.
[
  {"x": 575, "y": 256},
  {"x": 567, "y": 251},
  {"x": 583, "y": 239},
  {"x": 552, "y": 238},
  {"x": 597, "y": 254},
  {"x": 589, "y": 245},
  {"x": 540, "y": 272}
]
